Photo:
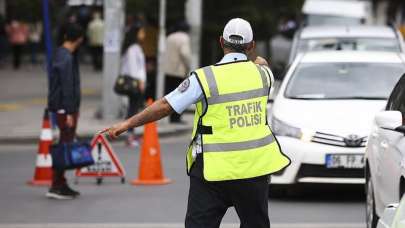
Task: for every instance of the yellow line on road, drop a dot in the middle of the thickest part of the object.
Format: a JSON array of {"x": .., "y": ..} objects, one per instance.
[{"x": 9, "y": 107}]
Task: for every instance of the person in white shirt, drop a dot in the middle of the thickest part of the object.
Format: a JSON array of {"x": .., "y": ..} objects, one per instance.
[
  {"x": 176, "y": 61},
  {"x": 133, "y": 65},
  {"x": 95, "y": 34}
]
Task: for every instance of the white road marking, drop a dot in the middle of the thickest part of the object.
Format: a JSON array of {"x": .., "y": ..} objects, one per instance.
[{"x": 175, "y": 225}]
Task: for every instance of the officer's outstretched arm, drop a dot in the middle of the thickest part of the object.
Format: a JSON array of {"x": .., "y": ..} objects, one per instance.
[{"x": 159, "y": 109}]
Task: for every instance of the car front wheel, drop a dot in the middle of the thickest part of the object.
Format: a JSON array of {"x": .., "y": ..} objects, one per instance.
[{"x": 371, "y": 216}]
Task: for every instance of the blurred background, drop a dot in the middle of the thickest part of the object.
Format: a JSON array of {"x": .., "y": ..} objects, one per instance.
[{"x": 306, "y": 42}]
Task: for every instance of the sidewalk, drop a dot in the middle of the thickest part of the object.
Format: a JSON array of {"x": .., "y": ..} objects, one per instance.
[{"x": 23, "y": 99}]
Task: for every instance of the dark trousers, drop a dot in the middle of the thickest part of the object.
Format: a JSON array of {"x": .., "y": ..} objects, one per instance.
[
  {"x": 97, "y": 57},
  {"x": 209, "y": 201},
  {"x": 17, "y": 52},
  {"x": 171, "y": 83},
  {"x": 66, "y": 135},
  {"x": 134, "y": 105}
]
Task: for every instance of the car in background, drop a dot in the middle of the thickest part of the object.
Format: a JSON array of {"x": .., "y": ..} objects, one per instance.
[
  {"x": 385, "y": 156},
  {"x": 336, "y": 12},
  {"x": 323, "y": 113},
  {"x": 361, "y": 38},
  {"x": 393, "y": 216}
]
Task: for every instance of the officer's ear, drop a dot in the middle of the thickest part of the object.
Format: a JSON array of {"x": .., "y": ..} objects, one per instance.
[
  {"x": 251, "y": 47},
  {"x": 221, "y": 41}
]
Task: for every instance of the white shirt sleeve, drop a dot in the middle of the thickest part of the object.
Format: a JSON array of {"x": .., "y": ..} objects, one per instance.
[
  {"x": 186, "y": 94},
  {"x": 136, "y": 62}
]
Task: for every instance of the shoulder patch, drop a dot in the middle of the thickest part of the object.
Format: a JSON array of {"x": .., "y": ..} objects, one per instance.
[{"x": 184, "y": 85}]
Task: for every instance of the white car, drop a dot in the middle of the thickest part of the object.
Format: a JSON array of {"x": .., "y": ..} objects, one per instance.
[
  {"x": 385, "y": 156},
  {"x": 336, "y": 12},
  {"x": 323, "y": 113},
  {"x": 361, "y": 38},
  {"x": 394, "y": 216}
]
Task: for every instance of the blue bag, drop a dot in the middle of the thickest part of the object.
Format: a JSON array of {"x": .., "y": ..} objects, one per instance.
[{"x": 71, "y": 155}]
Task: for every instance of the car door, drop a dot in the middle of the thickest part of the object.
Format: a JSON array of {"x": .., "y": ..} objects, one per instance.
[{"x": 389, "y": 154}]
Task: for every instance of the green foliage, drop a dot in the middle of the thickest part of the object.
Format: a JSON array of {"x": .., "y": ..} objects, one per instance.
[
  {"x": 27, "y": 10},
  {"x": 150, "y": 8}
]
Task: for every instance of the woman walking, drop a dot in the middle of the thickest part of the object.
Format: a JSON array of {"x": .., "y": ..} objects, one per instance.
[{"x": 133, "y": 65}]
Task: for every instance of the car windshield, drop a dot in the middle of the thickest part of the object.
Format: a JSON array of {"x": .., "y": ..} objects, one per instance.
[
  {"x": 343, "y": 80},
  {"x": 315, "y": 19},
  {"x": 361, "y": 44}
]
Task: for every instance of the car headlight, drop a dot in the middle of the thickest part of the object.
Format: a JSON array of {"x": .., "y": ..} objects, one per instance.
[{"x": 283, "y": 129}]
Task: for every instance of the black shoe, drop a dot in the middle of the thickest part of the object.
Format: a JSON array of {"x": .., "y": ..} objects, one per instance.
[
  {"x": 60, "y": 193},
  {"x": 73, "y": 192}
]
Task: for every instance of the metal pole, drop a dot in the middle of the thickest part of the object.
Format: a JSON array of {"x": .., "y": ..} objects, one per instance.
[
  {"x": 48, "y": 36},
  {"x": 113, "y": 33},
  {"x": 194, "y": 17},
  {"x": 160, "y": 80},
  {"x": 48, "y": 47}
]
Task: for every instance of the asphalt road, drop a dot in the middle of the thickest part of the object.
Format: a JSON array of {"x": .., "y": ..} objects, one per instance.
[{"x": 113, "y": 204}]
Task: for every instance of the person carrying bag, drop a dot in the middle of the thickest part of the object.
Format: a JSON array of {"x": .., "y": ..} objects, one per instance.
[
  {"x": 131, "y": 81},
  {"x": 64, "y": 99}
]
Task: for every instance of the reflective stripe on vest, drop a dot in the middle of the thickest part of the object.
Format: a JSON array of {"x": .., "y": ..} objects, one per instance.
[
  {"x": 217, "y": 99},
  {"x": 239, "y": 146}
]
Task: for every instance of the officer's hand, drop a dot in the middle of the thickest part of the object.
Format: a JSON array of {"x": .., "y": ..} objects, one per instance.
[
  {"x": 115, "y": 130},
  {"x": 261, "y": 61}
]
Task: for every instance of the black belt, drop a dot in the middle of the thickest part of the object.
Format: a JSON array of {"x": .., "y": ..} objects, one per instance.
[{"x": 204, "y": 130}]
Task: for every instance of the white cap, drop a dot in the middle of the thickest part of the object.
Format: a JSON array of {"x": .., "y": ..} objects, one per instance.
[{"x": 238, "y": 27}]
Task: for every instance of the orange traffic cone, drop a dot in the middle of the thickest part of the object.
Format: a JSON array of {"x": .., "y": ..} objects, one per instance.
[
  {"x": 150, "y": 169},
  {"x": 43, "y": 169}
]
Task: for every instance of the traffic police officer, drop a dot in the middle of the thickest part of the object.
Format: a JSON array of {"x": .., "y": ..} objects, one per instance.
[{"x": 233, "y": 151}]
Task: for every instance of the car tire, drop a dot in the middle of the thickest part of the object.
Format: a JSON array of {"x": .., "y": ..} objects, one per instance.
[{"x": 371, "y": 215}]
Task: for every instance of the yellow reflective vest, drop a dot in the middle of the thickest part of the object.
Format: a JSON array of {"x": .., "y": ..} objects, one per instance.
[{"x": 237, "y": 142}]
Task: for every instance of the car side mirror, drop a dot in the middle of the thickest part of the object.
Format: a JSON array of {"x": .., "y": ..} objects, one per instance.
[{"x": 390, "y": 120}]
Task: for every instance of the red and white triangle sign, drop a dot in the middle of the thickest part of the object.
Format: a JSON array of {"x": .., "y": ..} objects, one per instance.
[{"x": 107, "y": 163}]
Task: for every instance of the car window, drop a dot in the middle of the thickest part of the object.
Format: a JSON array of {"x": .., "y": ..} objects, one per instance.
[
  {"x": 397, "y": 97},
  {"x": 394, "y": 96},
  {"x": 343, "y": 80},
  {"x": 358, "y": 44},
  {"x": 316, "y": 19}
]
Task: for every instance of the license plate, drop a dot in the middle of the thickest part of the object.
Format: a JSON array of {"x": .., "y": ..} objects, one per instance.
[{"x": 348, "y": 161}]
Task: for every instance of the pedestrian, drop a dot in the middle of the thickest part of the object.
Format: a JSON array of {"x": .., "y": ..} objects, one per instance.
[
  {"x": 233, "y": 150},
  {"x": 95, "y": 35},
  {"x": 133, "y": 65},
  {"x": 3, "y": 40},
  {"x": 176, "y": 60},
  {"x": 35, "y": 34},
  {"x": 64, "y": 99},
  {"x": 17, "y": 32}
]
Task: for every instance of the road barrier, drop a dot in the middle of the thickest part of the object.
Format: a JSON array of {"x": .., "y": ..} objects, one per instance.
[
  {"x": 43, "y": 169},
  {"x": 150, "y": 167},
  {"x": 107, "y": 163}
]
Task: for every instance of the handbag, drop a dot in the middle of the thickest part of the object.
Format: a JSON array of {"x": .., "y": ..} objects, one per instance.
[
  {"x": 127, "y": 86},
  {"x": 71, "y": 155}
]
